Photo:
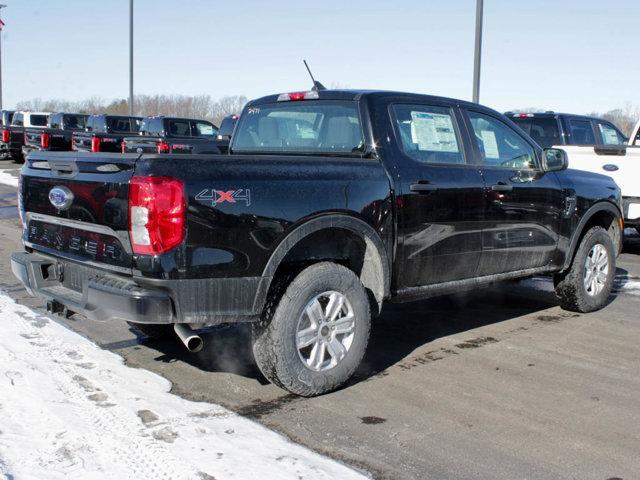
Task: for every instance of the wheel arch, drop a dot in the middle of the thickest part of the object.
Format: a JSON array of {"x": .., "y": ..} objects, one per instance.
[
  {"x": 332, "y": 229},
  {"x": 603, "y": 214}
]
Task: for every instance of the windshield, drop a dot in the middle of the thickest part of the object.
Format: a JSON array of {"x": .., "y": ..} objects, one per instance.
[
  {"x": 312, "y": 126},
  {"x": 544, "y": 130}
]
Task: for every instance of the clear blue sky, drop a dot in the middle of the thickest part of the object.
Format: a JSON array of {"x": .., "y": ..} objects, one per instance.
[{"x": 570, "y": 55}]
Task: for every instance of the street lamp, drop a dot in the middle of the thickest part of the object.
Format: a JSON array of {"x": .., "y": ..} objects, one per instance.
[
  {"x": 1, "y": 26},
  {"x": 130, "y": 57},
  {"x": 478, "y": 52}
]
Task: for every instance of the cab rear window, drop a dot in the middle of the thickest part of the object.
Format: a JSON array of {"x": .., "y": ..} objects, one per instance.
[
  {"x": 544, "y": 130},
  {"x": 314, "y": 127}
]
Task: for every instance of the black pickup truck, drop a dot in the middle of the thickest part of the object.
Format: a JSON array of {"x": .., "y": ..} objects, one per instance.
[
  {"x": 57, "y": 136},
  {"x": 225, "y": 131},
  {"x": 330, "y": 203},
  {"x": 551, "y": 128},
  {"x": 104, "y": 133},
  {"x": 173, "y": 135},
  {"x": 13, "y": 136},
  {"x": 5, "y": 138}
]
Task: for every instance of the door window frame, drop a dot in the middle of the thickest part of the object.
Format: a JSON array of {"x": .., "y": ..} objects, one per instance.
[
  {"x": 477, "y": 154},
  {"x": 459, "y": 126}
]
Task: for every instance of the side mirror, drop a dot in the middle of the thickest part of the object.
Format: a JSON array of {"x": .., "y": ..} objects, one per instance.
[{"x": 554, "y": 160}]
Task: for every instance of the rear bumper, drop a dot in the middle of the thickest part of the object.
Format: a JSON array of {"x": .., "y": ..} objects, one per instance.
[
  {"x": 104, "y": 296},
  {"x": 631, "y": 211}
]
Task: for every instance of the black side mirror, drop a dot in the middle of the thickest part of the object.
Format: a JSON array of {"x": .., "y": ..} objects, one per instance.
[{"x": 554, "y": 160}]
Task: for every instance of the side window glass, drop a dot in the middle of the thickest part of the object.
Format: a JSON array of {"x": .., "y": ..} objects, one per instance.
[
  {"x": 54, "y": 121},
  {"x": 581, "y": 132},
  {"x": 179, "y": 128},
  {"x": 428, "y": 133},
  {"x": 610, "y": 136},
  {"x": 500, "y": 145},
  {"x": 203, "y": 129}
]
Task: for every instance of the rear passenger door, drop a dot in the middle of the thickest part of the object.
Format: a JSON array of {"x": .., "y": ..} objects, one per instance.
[
  {"x": 440, "y": 199},
  {"x": 523, "y": 204}
]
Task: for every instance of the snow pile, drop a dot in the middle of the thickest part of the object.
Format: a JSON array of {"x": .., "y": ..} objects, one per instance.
[
  {"x": 8, "y": 179},
  {"x": 69, "y": 410}
]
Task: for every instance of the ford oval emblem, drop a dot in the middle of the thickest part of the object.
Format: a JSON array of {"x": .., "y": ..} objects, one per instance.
[
  {"x": 61, "y": 197},
  {"x": 610, "y": 167}
]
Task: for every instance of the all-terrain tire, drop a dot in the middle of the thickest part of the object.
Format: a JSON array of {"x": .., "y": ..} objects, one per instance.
[
  {"x": 152, "y": 330},
  {"x": 274, "y": 337},
  {"x": 569, "y": 285}
]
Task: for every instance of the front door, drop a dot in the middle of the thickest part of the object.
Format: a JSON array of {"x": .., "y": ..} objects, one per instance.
[
  {"x": 440, "y": 199},
  {"x": 523, "y": 204}
]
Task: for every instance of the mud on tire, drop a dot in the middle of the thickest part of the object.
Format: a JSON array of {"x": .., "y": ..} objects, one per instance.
[
  {"x": 276, "y": 337},
  {"x": 570, "y": 285}
]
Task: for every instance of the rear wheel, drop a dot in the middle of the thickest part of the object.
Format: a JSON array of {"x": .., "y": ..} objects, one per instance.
[
  {"x": 152, "y": 330},
  {"x": 586, "y": 286},
  {"x": 313, "y": 337}
]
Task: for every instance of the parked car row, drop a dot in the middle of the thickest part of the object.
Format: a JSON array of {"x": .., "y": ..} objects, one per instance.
[
  {"x": 24, "y": 132},
  {"x": 331, "y": 203}
]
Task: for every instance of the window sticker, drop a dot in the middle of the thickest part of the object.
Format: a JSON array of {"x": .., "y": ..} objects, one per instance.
[
  {"x": 609, "y": 135},
  {"x": 433, "y": 132},
  {"x": 490, "y": 144}
]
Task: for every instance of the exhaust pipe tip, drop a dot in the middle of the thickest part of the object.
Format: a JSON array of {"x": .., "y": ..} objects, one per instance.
[{"x": 192, "y": 341}]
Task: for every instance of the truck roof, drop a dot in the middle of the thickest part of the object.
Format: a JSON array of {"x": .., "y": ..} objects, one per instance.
[
  {"x": 356, "y": 94},
  {"x": 550, "y": 115}
]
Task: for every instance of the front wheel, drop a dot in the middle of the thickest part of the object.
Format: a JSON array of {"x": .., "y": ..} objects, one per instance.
[
  {"x": 586, "y": 286},
  {"x": 314, "y": 335}
]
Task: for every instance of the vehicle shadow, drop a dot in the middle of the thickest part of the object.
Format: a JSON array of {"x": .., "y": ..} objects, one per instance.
[{"x": 400, "y": 329}]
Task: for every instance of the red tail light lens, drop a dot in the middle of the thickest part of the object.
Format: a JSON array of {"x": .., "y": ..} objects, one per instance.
[
  {"x": 157, "y": 211},
  {"x": 164, "y": 147},
  {"x": 95, "y": 144},
  {"x": 44, "y": 141},
  {"x": 6, "y": 136},
  {"x": 24, "y": 138},
  {"x": 73, "y": 145},
  {"x": 124, "y": 147}
]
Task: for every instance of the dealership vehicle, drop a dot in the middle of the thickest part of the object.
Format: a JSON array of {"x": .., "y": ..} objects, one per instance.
[
  {"x": 226, "y": 130},
  {"x": 330, "y": 203},
  {"x": 104, "y": 133},
  {"x": 552, "y": 129},
  {"x": 619, "y": 161},
  {"x": 173, "y": 135},
  {"x": 5, "y": 135},
  {"x": 13, "y": 135},
  {"x": 57, "y": 135}
]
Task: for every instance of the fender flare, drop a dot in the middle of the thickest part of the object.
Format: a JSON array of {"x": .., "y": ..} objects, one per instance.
[
  {"x": 598, "y": 207},
  {"x": 375, "y": 255}
]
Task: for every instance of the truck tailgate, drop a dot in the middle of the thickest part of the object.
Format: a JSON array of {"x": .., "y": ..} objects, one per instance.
[{"x": 76, "y": 207}]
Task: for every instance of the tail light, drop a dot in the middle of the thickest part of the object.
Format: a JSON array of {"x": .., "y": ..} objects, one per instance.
[
  {"x": 297, "y": 96},
  {"x": 73, "y": 145},
  {"x": 6, "y": 136},
  {"x": 157, "y": 210},
  {"x": 95, "y": 144},
  {"x": 24, "y": 138},
  {"x": 44, "y": 140},
  {"x": 164, "y": 147},
  {"x": 124, "y": 147}
]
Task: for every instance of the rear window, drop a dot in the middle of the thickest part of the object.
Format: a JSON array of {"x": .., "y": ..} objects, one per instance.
[
  {"x": 313, "y": 127},
  {"x": 179, "y": 128},
  {"x": 123, "y": 124},
  {"x": 544, "y": 130},
  {"x": 39, "y": 120},
  {"x": 74, "y": 121}
]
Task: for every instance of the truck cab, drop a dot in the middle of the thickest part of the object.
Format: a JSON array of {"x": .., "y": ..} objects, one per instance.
[
  {"x": 57, "y": 135},
  {"x": 5, "y": 139},
  {"x": 550, "y": 128},
  {"x": 104, "y": 133}
]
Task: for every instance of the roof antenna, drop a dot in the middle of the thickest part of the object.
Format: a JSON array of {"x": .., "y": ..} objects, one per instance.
[{"x": 316, "y": 84}]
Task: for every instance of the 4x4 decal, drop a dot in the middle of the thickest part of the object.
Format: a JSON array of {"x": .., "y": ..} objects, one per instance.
[{"x": 215, "y": 197}]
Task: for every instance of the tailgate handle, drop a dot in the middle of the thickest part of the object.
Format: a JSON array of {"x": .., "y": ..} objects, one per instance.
[
  {"x": 63, "y": 168},
  {"x": 423, "y": 186}
]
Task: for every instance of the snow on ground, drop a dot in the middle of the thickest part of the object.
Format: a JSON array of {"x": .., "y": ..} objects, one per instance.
[
  {"x": 70, "y": 410},
  {"x": 8, "y": 179}
]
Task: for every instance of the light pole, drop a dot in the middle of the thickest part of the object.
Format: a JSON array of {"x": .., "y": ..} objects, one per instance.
[
  {"x": 1, "y": 27},
  {"x": 478, "y": 52},
  {"x": 131, "y": 57}
]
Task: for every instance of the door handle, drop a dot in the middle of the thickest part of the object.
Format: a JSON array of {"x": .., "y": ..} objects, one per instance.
[
  {"x": 421, "y": 187},
  {"x": 501, "y": 187}
]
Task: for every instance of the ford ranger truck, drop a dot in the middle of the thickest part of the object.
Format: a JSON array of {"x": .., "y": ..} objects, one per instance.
[
  {"x": 14, "y": 135},
  {"x": 57, "y": 135},
  {"x": 104, "y": 133},
  {"x": 173, "y": 135},
  {"x": 5, "y": 134},
  {"x": 330, "y": 204}
]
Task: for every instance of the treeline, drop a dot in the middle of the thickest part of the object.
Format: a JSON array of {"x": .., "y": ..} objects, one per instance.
[{"x": 198, "y": 106}]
